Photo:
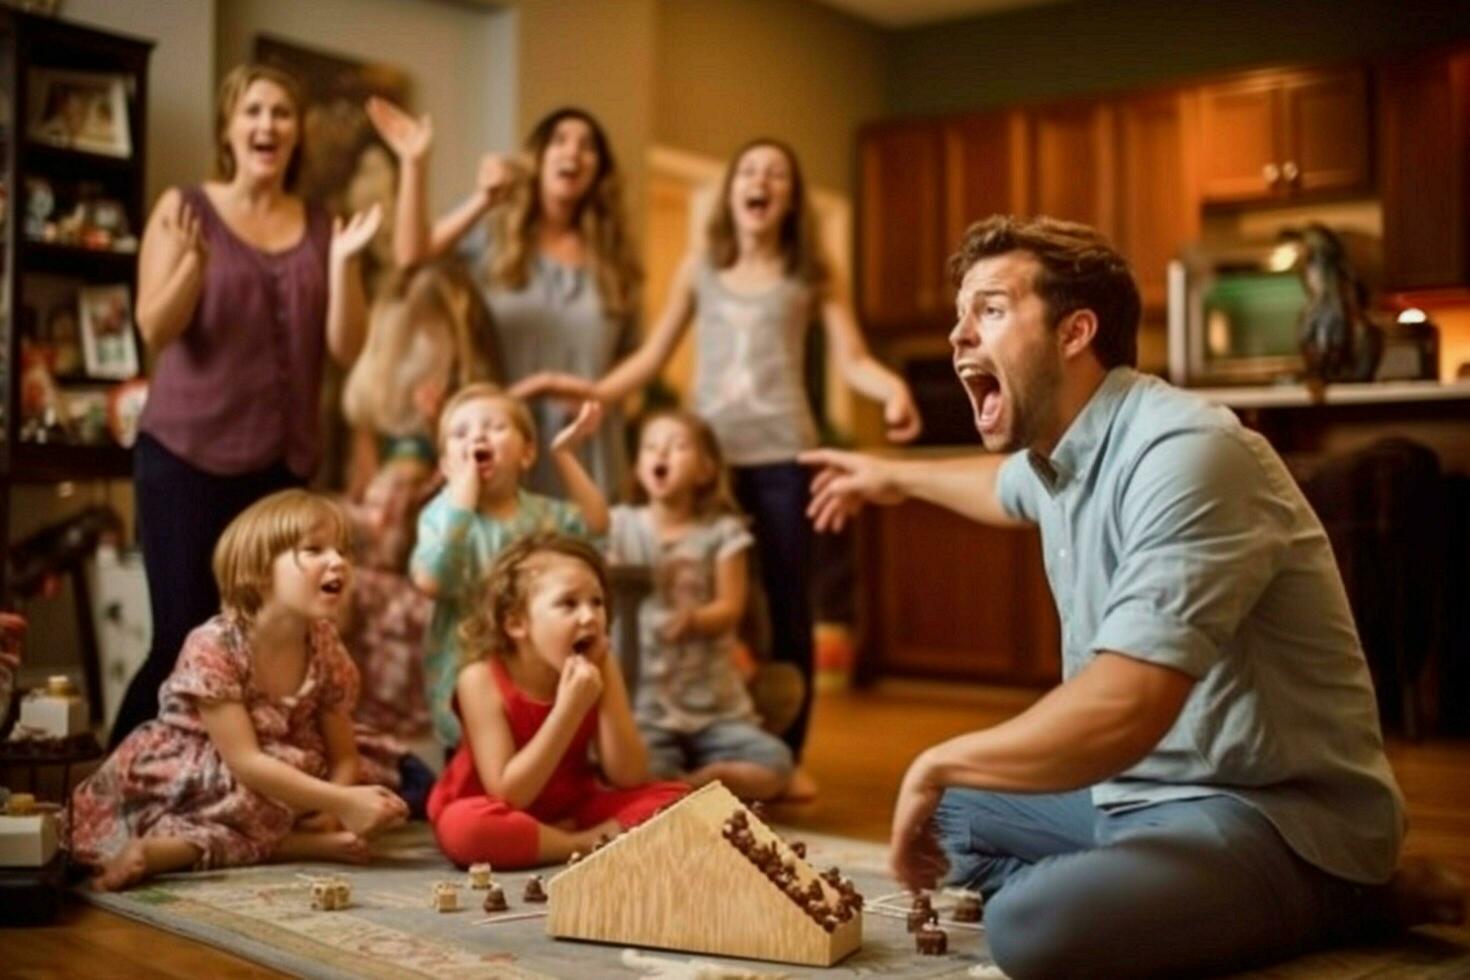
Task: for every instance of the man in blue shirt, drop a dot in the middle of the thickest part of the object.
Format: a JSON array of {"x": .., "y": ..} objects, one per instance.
[{"x": 1207, "y": 788}]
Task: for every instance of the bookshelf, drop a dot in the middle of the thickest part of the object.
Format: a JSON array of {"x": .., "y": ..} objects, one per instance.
[{"x": 73, "y": 122}]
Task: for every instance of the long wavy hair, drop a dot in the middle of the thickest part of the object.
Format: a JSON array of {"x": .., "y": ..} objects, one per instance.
[
  {"x": 799, "y": 242},
  {"x": 417, "y": 335},
  {"x": 601, "y": 219}
]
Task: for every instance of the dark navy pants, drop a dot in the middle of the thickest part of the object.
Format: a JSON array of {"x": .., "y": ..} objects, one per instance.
[
  {"x": 775, "y": 498},
  {"x": 181, "y": 513}
]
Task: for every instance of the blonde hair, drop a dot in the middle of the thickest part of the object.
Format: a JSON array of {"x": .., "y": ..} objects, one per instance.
[
  {"x": 520, "y": 415},
  {"x": 601, "y": 219},
  {"x": 507, "y": 586},
  {"x": 250, "y": 544},
  {"x": 231, "y": 91},
  {"x": 418, "y": 333},
  {"x": 713, "y": 497},
  {"x": 800, "y": 245}
]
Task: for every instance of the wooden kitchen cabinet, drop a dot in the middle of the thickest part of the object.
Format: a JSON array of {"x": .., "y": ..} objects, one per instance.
[
  {"x": 923, "y": 183},
  {"x": 900, "y": 234},
  {"x": 1282, "y": 134},
  {"x": 1069, "y": 164},
  {"x": 1158, "y": 193},
  {"x": 983, "y": 170},
  {"x": 1424, "y": 158},
  {"x": 946, "y": 597}
]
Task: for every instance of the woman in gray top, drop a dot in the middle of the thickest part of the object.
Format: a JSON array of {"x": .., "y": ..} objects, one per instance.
[
  {"x": 554, "y": 259},
  {"x": 752, "y": 293}
]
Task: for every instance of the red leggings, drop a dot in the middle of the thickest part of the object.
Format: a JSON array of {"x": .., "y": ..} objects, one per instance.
[{"x": 486, "y": 828}]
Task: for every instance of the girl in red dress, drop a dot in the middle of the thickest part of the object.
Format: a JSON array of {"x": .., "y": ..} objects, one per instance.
[{"x": 538, "y": 692}]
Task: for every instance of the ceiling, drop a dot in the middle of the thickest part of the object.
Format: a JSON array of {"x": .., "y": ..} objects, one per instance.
[{"x": 911, "y": 13}]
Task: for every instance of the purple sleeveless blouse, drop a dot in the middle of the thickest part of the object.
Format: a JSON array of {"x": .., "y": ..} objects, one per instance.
[{"x": 238, "y": 390}]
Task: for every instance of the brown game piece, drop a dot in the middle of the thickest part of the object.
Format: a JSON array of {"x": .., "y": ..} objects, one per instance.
[
  {"x": 534, "y": 891},
  {"x": 832, "y": 876},
  {"x": 921, "y": 912},
  {"x": 799, "y": 848},
  {"x": 738, "y": 820},
  {"x": 758, "y": 810},
  {"x": 495, "y": 899},
  {"x": 815, "y": 890},
  {"x": 968, "y": 909},
  {"x": 931, "y": 941}
]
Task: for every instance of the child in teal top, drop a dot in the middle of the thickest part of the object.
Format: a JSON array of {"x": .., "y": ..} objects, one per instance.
[{"x": 487, "y": 444}]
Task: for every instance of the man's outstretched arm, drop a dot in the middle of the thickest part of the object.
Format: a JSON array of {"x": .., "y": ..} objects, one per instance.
[{"x": 845, "y": 481}]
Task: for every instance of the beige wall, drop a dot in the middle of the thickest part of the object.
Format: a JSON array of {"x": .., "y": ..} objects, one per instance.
[
  {"x": 793, "y": 69},
  {"x": 459, "y": 59},
  {"x": 180, "y": 78},
  {"x": 599, "y": 55}
]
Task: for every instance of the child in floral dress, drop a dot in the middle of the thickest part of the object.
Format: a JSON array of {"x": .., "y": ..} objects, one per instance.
[{"x": 251, "y": 757}]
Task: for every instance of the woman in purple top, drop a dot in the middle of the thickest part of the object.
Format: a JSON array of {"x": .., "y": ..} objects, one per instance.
[{"x": 241, "y": 288}]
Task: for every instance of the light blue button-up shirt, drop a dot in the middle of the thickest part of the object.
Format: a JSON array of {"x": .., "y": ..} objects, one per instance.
[{"x": 1176, "y": 536}]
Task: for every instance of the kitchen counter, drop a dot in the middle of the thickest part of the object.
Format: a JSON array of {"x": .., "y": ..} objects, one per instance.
[{"x": 1363, "y": 393}]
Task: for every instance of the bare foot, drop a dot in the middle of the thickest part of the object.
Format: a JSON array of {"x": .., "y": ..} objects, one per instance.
[
  {"x": 802, "y": 788},
  {"x": 341, "y": 846},
  {"x": 125, "y": 868},
  {"x": 1425, "y": 892}
]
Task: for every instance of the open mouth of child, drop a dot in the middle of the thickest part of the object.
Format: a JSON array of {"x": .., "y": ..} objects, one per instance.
[{"x": 584, "y": 645}]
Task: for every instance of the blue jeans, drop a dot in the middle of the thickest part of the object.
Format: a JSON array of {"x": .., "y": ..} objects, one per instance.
[
  {"x": 671, "y": 754},
  {"x": 1177, "y": 889},
  {"x": 775, "y": 497}
]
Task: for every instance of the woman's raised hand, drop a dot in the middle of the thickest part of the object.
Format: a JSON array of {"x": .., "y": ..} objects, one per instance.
[
  {"x": 352, "y": 236},
  {"x": 183, "y": 233},
  {"x": 407, "y": 137},
  {"x": 496, "y": 177}
]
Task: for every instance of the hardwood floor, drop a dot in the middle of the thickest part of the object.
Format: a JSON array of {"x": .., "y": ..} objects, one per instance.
[{"x": 861, "y": 743}]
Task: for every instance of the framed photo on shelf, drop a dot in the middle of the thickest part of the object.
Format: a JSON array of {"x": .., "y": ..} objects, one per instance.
[
  {"x": 109, "y": 348},
  {"x": 80, "y": 110}
]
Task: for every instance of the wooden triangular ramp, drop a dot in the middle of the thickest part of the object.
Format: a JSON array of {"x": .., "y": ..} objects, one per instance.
[{"x": 679, "y": 882}]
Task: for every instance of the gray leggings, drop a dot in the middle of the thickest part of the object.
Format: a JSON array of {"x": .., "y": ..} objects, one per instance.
[{"x": 1187, "y": 888}]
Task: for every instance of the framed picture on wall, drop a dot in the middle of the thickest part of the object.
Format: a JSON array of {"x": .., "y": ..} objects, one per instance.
[
  {"x": 80, "y": 110},
  {"x": 109, "y": 347},
  {"x": 346, "y": 168}
]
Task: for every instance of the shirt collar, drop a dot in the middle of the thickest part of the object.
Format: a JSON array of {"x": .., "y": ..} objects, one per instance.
[{"x": 1079, "y": 445}]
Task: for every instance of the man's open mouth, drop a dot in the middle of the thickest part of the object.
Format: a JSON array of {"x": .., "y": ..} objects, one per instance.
[{"x": 985, "y": 392}]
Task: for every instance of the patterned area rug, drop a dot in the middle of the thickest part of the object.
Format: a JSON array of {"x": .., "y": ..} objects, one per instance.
[{"x": 264, "y": 914}]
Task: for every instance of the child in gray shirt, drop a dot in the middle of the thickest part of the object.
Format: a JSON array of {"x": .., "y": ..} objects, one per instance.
[{"x": 691, "y": 703}]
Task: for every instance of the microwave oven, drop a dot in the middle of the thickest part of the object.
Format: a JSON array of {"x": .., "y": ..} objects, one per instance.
[{"x": 1234, "y": 313}]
